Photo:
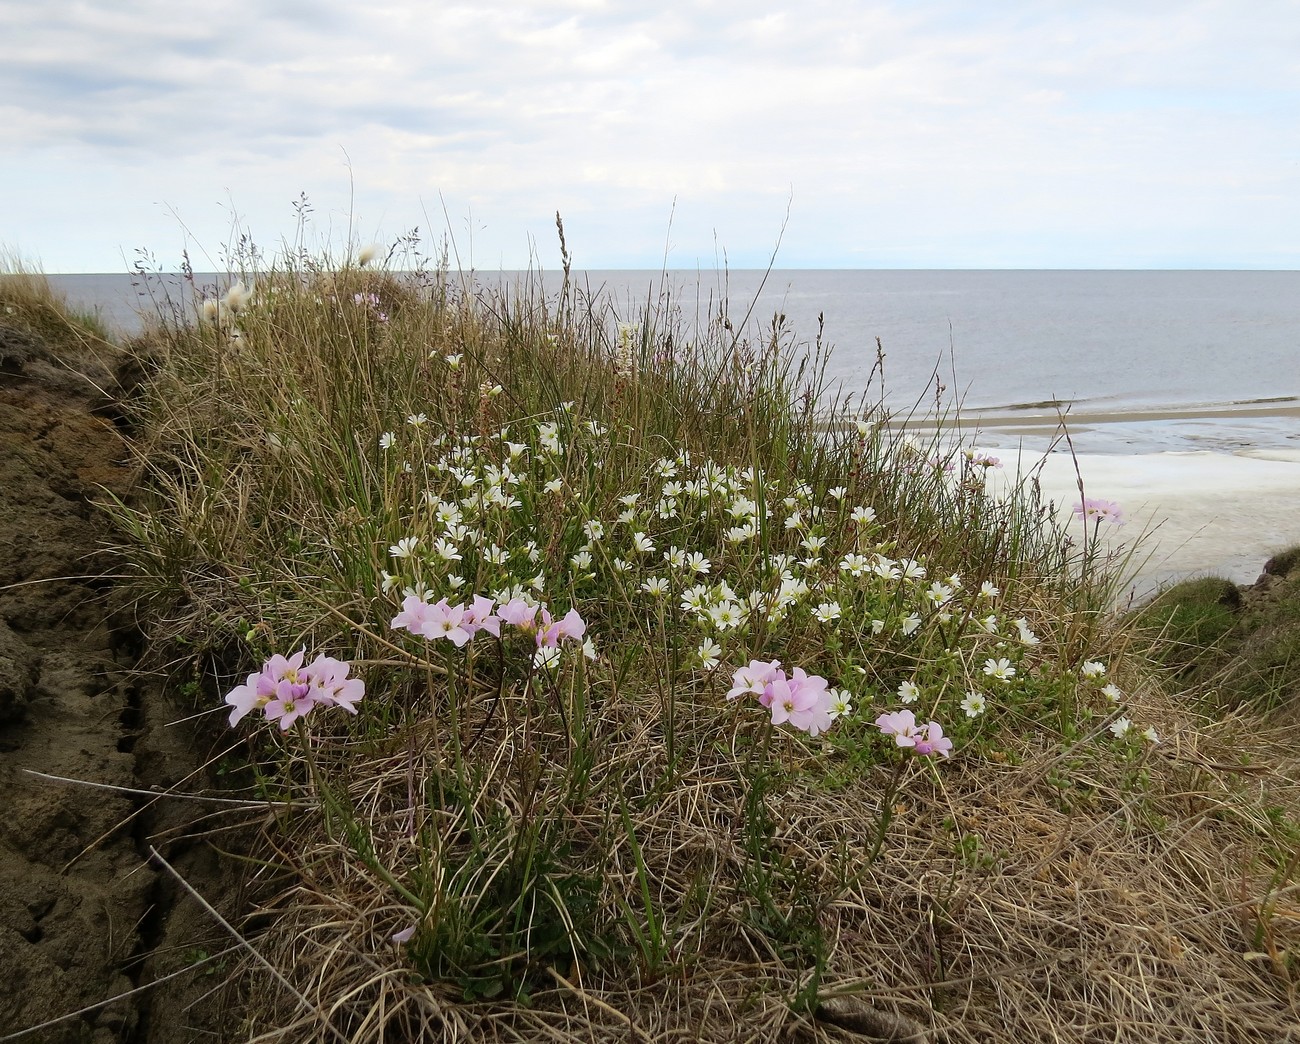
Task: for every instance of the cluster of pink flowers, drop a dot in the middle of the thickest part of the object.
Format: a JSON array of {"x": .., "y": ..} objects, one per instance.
[
  {"x": 284, "y": 690},
  {"x": 459, "y": 623},
  {"x": 1100, "y": 511},
  {"x": 923, "y": 739},
  {"x": 801, "y": 699}
]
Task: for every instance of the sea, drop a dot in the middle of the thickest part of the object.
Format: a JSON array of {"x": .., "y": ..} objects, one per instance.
[{"x": 1131, "y": 361}]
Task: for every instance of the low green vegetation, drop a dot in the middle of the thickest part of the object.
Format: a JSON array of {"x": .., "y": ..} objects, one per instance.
[
  {"x": 600, "y": 690},
  {"x": 1236, "y": 647}
]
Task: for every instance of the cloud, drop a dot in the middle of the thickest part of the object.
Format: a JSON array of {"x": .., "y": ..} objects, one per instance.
[{"x": 935, "y": 132}]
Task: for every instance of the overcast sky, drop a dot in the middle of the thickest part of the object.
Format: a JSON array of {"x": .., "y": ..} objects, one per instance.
[{"x": 934, "y": 133}]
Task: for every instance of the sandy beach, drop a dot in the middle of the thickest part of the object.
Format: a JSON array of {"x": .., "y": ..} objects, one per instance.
[{"x": 1192, "y": 513}]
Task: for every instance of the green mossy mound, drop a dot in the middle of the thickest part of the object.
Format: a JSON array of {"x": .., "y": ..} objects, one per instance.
[{"x": 1238, "y": 646}]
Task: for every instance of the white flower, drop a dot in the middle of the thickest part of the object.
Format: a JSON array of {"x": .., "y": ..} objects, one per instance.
[
  {"x": 974, "y": 704},
  {"x": 877, "y": 626},
  {"x": 553, "y": 486},
  {"x": 836, "y": 492},
  {"x": 697, "y": 563},
  {"x": 1000, "y": 669},
  {"x": 841, "y": 703},
  {"x": 939, "y": 594},
  {"x": 826, "y": 612},
  {"x": 911, "y": 569},
  {"x": 595, "y": 531},
  {"x": 989, "y": 623},
  {"x": 404, "y": 548},
  {"x": 589, "y": 648},
  {"x": 417, "y": 419},
  {"x": 446, "y": 550},
  {"x": 1150, "y": 735},
  {"x": 1027, "y": 637},
  {"x": 453, "y": 361},
  {"x": 642, "y": 543},
  {"x": 853, "y": 564},
  {"x": 547, "y": 657},
  {"x": 863, "y": 515},
  {"x": 455, "y": 582},
  {"x": 988, "y": 590},
  {"x": 1120, "y": 727},
  {"x": 1092, "y": 669},
  {"x": 709, "y": 653},
  {"x": 389, "y": 581},
  {"x": 582, "y": 560},
  {"x": 386, "y": 440},
  {"x": 910, "y": 623},
  {"x": 908, "y": 692},
  {"x": 1112, "y": 692},
  {"x": 655, "y": 586},
  {"x": 675, "y": 557},
  {"x": 725, "y": 616}
]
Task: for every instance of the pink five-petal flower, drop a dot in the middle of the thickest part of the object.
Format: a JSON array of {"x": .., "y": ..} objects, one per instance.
[
  {"x": 446, "y": 621},
  {"x": 754, "y": 678},
  {"x": 901, "y": 725},
  {"x": 331, "y": 686},
  {"x": 291, "y": 703},
  {"x": 550, "y": 632},
  {"x": 933, "y": 741},
  {"x": 246, "y": 698},
  {"x": 414, "y": 615},
  {"x": 812, "y": 711},
  {"x": 479, "y": 617},
  {"x": 518, "y": 613}
]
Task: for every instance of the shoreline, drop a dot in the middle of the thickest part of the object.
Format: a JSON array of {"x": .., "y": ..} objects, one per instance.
[{"x": 1191, "y": 513}]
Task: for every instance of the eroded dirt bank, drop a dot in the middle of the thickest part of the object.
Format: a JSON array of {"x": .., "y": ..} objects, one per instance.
[{"x": 83, "y": 915}]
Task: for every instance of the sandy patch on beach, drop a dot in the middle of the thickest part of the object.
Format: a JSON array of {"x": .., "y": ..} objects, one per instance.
[{"x": 1195, "y": 513}]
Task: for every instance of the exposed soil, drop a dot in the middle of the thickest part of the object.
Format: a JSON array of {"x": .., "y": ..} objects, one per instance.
[{"x": 84, "y": 915}]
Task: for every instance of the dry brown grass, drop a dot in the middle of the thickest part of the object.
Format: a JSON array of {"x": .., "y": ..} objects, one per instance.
[{"x": 1139, "y": 903}]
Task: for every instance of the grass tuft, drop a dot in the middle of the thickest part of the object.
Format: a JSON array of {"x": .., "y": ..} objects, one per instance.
[{"x": 509, "y": 842}]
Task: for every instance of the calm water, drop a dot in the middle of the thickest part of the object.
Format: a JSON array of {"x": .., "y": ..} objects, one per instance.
[{"x": 1101, "y": 341}]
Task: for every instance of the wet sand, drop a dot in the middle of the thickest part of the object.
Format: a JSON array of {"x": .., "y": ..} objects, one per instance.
[{"x": 1195, "y": 513}]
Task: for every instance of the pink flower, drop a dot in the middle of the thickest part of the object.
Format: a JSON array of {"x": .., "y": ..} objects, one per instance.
[
  {"x": 755, "y": 679},
  {"x": 518, "y": 613},
  {"x": 924, "y": 739},
  {"x": 934, "y": 741},
  {"x": 414, "y": 615},
  {"x": 479, "y": 617},
  {"x": 446, "y": 621},
  {"x": 263, "y": 687},
  {"x": 549, "y": 634},
  {"x": 812, "y": 710},
  {"x": 330, "y": 685},
  {"x": 1100, "y": 511},
  {"x": 289, "y": 705},
  {"x": 901, "y": 725}
]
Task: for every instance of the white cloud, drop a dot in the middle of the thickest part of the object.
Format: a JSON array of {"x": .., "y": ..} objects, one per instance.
[{"x": 934, "y": 133}]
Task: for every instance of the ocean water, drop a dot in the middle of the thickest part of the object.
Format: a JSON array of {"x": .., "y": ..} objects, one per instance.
[{"x": 1169, "y": 360}]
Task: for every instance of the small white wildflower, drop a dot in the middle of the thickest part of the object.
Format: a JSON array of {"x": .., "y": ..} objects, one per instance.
[
  {"x": 1150, "y": 735},
  {"x": 386, "y": 440},
  {"x": 1092, "y": 669},
  {"x": 910, "y": 623},
  {"x": 453, "y": 361},
  {"x": 415, "y": 420},
  {"x": 404, "y": 548},
  {"x": 594, "y": 531},
  {"x": 974, "y": 704},
  {"x": 863, "y": 515},
  {"x": 388, "y": 581},
  {"x": 908, "y": 692},
  {"x": 989, "y": 590},
  {"x": 546, "y": 657},
  {"x": 642, "y": 543},
  {"x": 841, "y": 703},
  {"x": 1120, "y": 727},
  {"x": 1000, "y": 669},
  {"x": 827, "y": 612},
  {"x": 553, "y": 486},
  {"x": 1027, "y": 636},
  {"x": 697, "y": 563},
  {"x": 709, "y": 653},
  {"x": 655, "y": 586},
  {"x": 1112, "y": 692}
]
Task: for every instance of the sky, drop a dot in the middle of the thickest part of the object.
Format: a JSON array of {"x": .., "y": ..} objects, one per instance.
[{"x": 827, "y": 134}]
